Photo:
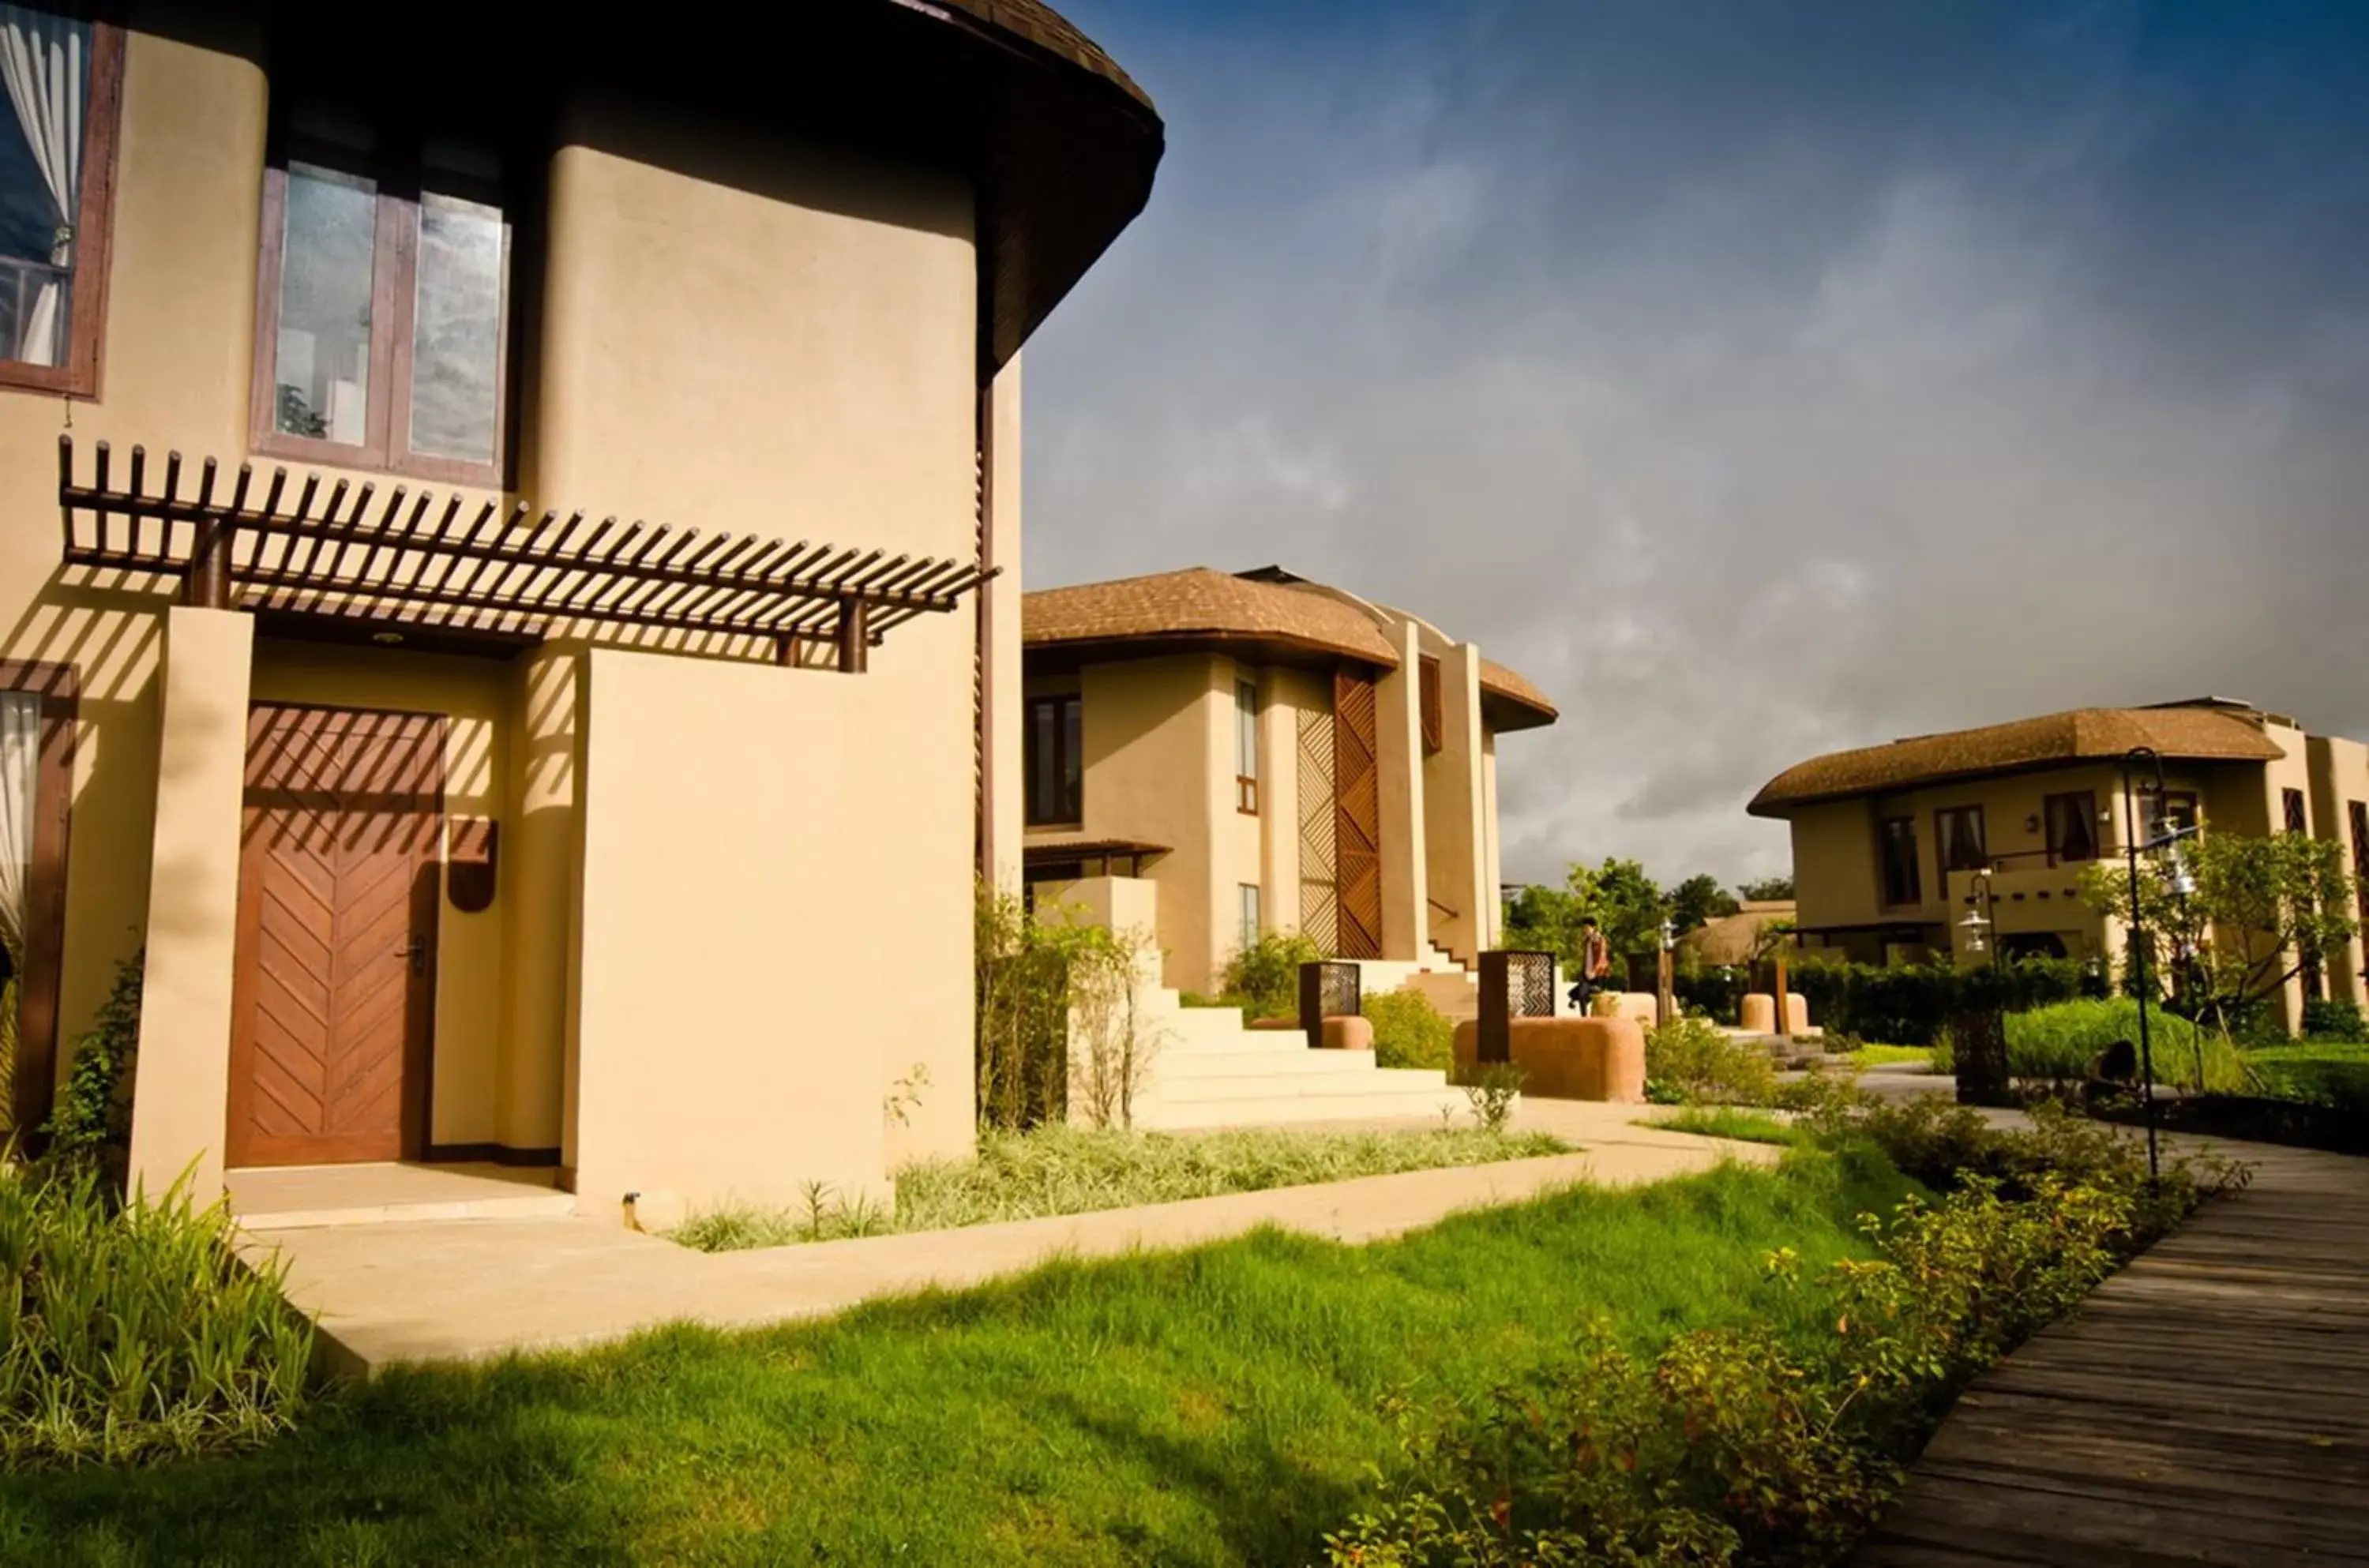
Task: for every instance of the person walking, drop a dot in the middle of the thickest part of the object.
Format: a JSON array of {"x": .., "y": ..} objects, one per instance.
[{"x": 1595, "y": 964}]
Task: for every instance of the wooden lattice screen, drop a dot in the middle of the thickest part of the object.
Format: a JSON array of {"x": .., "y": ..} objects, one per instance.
[
  {"x": 485, "y": 567},
  {"x": 1357, "y": 816}
]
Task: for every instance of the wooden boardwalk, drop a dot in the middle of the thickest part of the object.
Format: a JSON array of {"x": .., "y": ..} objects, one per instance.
[{"x": 2208, "y": 1404}]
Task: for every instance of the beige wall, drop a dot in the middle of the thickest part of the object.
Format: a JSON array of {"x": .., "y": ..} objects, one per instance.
[
  {"x": 1000, "y": 604},
  {"x": 1284, "y": 696},
  {"x": 180, "y": 1084},
  {"x": 1398, "y": 736},
  {"x": 1456, "y": 864},
  {"x": 751, "y": 982}
]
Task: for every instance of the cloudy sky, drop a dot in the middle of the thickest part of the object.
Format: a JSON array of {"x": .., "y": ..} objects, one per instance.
[{"x": 1758, "y": 378}]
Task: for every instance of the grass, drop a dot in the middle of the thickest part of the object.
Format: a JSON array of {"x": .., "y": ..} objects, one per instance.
[
  {"x": 1219, "y": 1406},
  {"x": 1724, "y": 1121},
  {"x": 1060, "y": 1169},
  {"x": 1887, "y": 1056},
  {"x": 2323, "y": 1071}
]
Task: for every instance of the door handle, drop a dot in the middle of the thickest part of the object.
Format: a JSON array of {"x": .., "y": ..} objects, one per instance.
[{"x": 415, "y": 949}]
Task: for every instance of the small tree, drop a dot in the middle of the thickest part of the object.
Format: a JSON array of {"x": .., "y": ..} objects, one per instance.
[
  {"x": 2264, "y": 909},
  {"x": 1767, "y": 890},
  {"x": 1698, "y": 901}
]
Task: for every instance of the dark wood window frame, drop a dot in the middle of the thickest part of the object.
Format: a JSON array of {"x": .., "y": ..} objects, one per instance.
[
  {"x": 2159, "y": 810},
  {"x": 45, "y": 893},
  {"x": 1062, "y": 704},
  {"x": 2084, "y": 802},
  {"x": 1915, "y": 878},
  {"x": 94, "y": 232},
  {"x": 1427, "y": 702},
  {"x": 1246, "y": 747},
  {"x": 1944, "y": 842},
  {"x": 387, "y": 439}
]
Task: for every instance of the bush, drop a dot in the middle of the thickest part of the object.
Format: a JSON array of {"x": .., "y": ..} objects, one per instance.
[
  {"x": 1690, "y": 1062},
  {"x": 1732, "y": 1447},
  {"x": 131, "y": 1331},
  {"x": 1409, "y": 1031},
  {"x": 1267, "y": 972},
  {"x": 1716, "y": 991},
  {"x": 91, "y": 1125},
  {"x": 1910, "y": 1004},
  {"x": 2060, "y": 1042},
  {"x": 2339, "y": 1020}
]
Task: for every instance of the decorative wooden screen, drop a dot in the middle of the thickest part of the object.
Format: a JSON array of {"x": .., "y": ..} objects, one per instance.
[
  {"x": 1320, "y": 891},
  {"x": 491, "y": 569},
  {"x": 1435, "y": 725},
  {"x": 1357, "y": 816}
]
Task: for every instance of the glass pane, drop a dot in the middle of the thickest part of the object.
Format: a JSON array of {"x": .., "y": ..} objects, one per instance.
[
  {"x": 48, "y": 61},
  {"x": 456, "y": 332},
  {"x": 1042, "y": 750},
  {"x": 321, "y": 366},
  {"x": 1073, "y": 763}
]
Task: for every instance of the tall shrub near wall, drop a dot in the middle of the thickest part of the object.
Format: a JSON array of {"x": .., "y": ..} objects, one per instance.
[{"x": 1058, "y": 1027}]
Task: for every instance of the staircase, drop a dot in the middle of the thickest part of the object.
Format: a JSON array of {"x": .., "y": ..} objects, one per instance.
[{"x": 1207, "y": 1069}]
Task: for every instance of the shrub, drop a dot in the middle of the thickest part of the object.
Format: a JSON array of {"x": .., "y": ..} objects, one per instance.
[
  {"x": 131, "y": 1331},
  {"x": 1267, "y": 972},
  {"x": 1041, "y": 986},
  {"x": 1910, "y": 1004},
  {"x": 1732, "y": 1447},
  {"x": 91, "y": 1124},
  {"x": 2334, "y": 1021},
  {"x": 1714, "y": 990},
  {"x": 2060, "y": 1042},
  {"x": 1409, "y": 1031},
  {"x": 1694, "y": 1063},
  {"x": 1492, "y": 1091}
]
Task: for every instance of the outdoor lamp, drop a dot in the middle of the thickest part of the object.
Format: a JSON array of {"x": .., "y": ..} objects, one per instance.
[
  {"x": 1669, "y": 935},
  {"x": 2176, "y": 876},
  {"x": 1973, "y": 926}
]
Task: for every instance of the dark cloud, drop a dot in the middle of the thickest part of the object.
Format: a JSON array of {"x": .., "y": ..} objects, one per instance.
[{"x": 1759, "y": 380}]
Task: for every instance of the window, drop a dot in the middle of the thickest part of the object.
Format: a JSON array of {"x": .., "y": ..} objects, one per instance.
[
  {"x": 2072, "y": 820},
  {"x": 2358, "y": 810},
  {"x": 2298, "y": 820},
  {"x": 1246, "y": 747},
  {"x": 2174, "y": 809},
  {"x": 1248, "y": 930},
  {"x": 1901, "y": 884},
  {"x": 1435, "y": 725},
  {"x": 1054, "y": 763},
  {"x": 383, "y": 301},
  {"x": 62, "y": 78},
  {"x": 1958, "y": 838},
  {"x": 37, "y": 726},
  {"x": 2298, "y": 815}
]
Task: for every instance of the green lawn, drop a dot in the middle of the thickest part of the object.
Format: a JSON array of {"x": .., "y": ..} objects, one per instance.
[
  {"x": 1217, "y": 1406},
  {"x": 1725, "y": 1121},
  {"x": 1885, "y": 1056},
  {"x": 1062, "y": 1170},
  {"x": 2314, "y": 1070}
]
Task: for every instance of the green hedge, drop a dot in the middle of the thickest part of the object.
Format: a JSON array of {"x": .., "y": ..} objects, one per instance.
[
  {"x": 1409, "y": 1031},
  {"x": 1911, "y": 1005}
]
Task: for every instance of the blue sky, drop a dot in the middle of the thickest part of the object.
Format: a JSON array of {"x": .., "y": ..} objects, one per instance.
[{"x": 1759, "y": 378}]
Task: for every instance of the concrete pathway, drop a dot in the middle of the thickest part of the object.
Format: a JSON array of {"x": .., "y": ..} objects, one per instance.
[
  {"x": 472, "y": 1288},
  {"x": 2210, "y": 1403}
]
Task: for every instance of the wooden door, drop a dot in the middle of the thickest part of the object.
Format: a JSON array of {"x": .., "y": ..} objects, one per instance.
[
  {"x": 334, "y": 987},
  {"x": 1357, "y": 817}
]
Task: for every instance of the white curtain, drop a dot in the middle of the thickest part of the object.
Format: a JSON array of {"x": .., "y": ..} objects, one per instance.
[
  {"x": 21, "y": 761},
  {"x": 41, "y": 67}
]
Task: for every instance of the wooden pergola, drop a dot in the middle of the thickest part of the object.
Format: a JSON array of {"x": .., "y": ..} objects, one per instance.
[{"x": 482, "y": 567}]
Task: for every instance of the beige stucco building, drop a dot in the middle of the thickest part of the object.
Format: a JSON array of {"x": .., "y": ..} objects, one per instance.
[
  {"x": 1888, "y": 839},
  {"x": 456, "y": 829},
  {"x": 1276, "y": 755}
]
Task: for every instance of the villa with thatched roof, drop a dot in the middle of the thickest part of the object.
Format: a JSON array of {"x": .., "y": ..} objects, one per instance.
[
  {"x": 1275, "y": 755},
  {"x": 1889, "y": 840}
]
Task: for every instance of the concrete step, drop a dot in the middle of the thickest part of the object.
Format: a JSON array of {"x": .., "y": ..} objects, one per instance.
[
  {"x": 1417, "y": 1105},
  {"x": 534, "y": 1206},
  {"x": 1258, "y": 1061}
]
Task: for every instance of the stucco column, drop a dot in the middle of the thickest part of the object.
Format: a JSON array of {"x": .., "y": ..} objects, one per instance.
[
  {"x": 181, "y": 1084},
  {"x": 1278, "y": 802},
  {"x": 537, "y": 872},
  {"x": 1493, "y": 861},
  {"x": 1000, "y": 604},
  {"x": 1455, "y": 834},
  {"x": 1398, "y": 742},
  {"x": 1222, "y": 817}
]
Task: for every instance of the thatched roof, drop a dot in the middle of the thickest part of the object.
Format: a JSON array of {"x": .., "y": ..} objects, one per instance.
[
  {"x": 1054, "y": 33},
  {"x": 2083, "y": 735},
  {"x": 1259, "y": 614}
]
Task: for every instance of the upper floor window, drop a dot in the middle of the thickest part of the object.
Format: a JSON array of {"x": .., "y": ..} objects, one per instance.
[
  {"x": 1055, "y": 762},
  {"x": 2298, "y": 815},
  {"x": 1958, "y": 836},
  {"x": 383, "y": 306},
  {"x": 1246, "y": 747},
  {"x": 2072, "y": 824},
  {"x": 1427, "y": 704},
  {"x": 1901, "y": 884},
  {"x": 2173, "y": 811},
  {"x": 60, "y": 75}
]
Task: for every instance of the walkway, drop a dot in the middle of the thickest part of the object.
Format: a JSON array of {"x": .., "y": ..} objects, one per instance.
[
  {"x": 464, "y": 1288},
  {"x": 2208, "y": 1404}
]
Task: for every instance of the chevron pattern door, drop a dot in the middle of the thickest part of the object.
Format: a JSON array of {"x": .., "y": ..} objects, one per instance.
[
  {"x": 335, "y": 987},
  {"x": 1357, "y": 817}
]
